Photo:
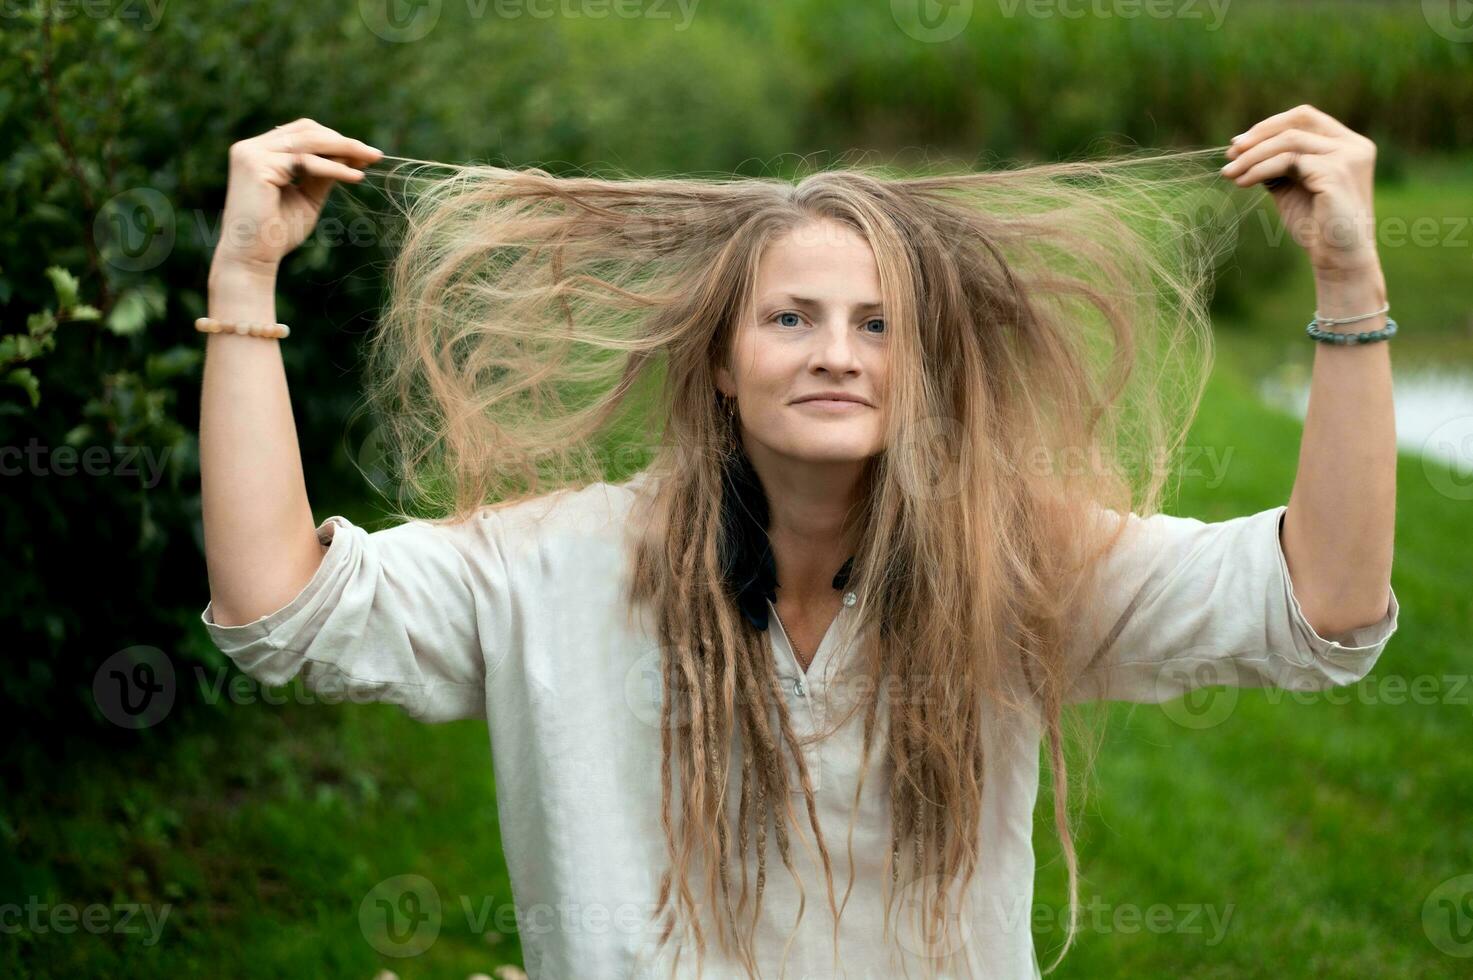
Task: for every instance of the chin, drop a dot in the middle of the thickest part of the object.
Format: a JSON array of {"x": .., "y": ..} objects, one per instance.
[{"x": 834, "y": 447}]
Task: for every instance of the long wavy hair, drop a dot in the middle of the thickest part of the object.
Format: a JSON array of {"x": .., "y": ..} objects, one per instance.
[{"x": 1049, "y": 344}]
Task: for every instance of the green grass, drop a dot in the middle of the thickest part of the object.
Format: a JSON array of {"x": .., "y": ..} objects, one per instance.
[
  {"x": 1322, "y": 826},
  {"x": 263, "y": 832}
]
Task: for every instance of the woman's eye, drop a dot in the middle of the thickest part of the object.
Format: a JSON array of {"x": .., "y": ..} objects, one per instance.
[{"x": 798, "y": 321}]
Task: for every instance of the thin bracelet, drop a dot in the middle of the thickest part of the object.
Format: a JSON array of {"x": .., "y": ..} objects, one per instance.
[
  {"x": 1369, "y": 337},
  {"x": 253, "y": 328},
  {"x": 1331, "y": 321}
]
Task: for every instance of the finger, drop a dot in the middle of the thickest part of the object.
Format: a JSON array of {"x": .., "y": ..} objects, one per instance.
[
  {"x": 333, "y": 138},
  {"x": 325, "y": 142},
  {"x": 278, "y": 135},
  {"x": 1291, "y": 140},
  {"x": 294, "y": 125},
  {"x": 309, "y": 136},
  {"x": 1289, "y": 164},
  {"x": 317, "y": 166},
  {"x": 1305, "y": 117}
]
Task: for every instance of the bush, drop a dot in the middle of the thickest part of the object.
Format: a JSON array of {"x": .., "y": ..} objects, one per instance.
[{"x": 114, "y": 131}]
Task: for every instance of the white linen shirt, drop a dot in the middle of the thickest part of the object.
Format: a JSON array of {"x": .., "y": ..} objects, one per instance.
[{"x": 518, "y": 617}]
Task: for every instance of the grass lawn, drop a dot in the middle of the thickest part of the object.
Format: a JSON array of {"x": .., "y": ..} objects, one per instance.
[
  {"x": 1299, "y": 836},
  {"x": 1314, "y": 828}
]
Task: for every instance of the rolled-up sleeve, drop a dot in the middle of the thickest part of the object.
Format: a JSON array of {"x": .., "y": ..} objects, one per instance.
[
  {"x": 414, "y": 615},
  {"x": 1182, "y": 603}
]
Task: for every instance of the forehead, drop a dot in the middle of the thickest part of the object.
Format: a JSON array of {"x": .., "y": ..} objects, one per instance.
[{"x": 818, "y": 254}]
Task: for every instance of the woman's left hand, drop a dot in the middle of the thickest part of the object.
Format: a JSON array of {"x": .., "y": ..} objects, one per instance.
[{"x": 1320, "y": 174}]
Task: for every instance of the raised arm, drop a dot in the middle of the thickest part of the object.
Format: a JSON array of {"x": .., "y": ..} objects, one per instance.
[
  {"x": 260, "y": 542},
  {"x": 408, "y": 615},
  {"x": 1340, "y": 524}
]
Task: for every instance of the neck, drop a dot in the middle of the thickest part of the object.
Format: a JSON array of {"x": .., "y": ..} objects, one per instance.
[{"x": 809, "y": 507}]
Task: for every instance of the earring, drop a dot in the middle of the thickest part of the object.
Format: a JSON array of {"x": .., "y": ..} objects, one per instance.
[{"x": 731, "y": 407}]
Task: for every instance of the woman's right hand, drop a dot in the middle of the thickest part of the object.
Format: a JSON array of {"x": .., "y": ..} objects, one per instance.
[{"x": 266, "y": 213}]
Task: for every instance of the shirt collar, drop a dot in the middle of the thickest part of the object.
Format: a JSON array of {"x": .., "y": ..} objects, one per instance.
[{"x": 746, "y": 552}]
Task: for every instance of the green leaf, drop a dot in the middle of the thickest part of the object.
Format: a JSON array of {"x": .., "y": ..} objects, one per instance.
[
  {"x": 23, "y": 378},
  {"x": 40, "y": 322},
  {"x": 128, "y": 315},
  {"x": 171, "y": 363},
  {"x": 65, "y": 284},
  {"x": 84, "y": 311},
  {"x": 52, "y": 212},
  {"x": 135, "y": 307},
  {"x": 79, "y": 435}
]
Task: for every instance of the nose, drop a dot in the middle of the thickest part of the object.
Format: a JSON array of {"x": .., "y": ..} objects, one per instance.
[{"x": 835, "y": 349}]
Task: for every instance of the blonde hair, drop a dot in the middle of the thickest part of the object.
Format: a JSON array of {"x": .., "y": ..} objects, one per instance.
[{"x": 1037, "y": 316}]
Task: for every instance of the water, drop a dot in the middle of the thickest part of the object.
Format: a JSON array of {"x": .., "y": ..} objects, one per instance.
[{"x": 1434, "y": 419}]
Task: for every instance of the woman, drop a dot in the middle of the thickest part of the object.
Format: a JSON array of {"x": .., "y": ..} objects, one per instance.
[{"x": 895, "y": 522}]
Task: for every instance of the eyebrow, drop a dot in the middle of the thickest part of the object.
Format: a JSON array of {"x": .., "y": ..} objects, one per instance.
[{"x": 813, "y": 303}]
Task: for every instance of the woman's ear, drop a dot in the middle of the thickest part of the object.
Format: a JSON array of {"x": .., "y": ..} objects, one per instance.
[{"x": 724, "y": 382}]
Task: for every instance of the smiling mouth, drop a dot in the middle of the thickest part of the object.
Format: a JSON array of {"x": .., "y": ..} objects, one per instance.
[{"x": 832, "y": 403}]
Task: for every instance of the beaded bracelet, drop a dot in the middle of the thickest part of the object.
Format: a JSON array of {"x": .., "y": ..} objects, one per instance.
[
  {"x": 1368, "y": 337},
  {"x": 253, "y": 328}
]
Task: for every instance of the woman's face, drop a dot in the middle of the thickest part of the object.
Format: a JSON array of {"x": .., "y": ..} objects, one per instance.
[{"x": 815, "y": 327}]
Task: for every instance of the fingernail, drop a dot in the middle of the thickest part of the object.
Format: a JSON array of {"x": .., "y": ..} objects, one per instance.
[{"x": 1238, "y": 137}]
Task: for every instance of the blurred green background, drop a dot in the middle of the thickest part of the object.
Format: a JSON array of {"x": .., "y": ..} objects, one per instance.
[{"x": 1326, "y": 835}]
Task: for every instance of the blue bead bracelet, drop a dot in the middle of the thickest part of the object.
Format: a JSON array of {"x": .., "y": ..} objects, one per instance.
[{"x": 1368, "y": 337}]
